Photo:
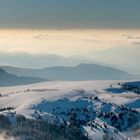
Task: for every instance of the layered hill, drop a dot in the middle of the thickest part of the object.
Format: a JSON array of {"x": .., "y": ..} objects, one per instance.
[
  {"x": 7, "y": 79},
  {"x": 76, "y": 73}
]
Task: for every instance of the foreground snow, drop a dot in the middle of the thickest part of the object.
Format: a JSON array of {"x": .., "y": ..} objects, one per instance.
[{"x": 90, "y": 102}]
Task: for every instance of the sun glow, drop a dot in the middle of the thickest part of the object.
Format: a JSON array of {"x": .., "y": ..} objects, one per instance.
[{"x": 65, "y": 42}]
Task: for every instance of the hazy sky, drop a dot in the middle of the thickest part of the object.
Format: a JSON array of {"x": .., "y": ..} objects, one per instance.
[
  {"x": 66, "y": 42},
  {"x": 70, "y": 27}
]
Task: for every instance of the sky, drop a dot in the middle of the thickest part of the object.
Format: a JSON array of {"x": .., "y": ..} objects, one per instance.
[
  {"x": 71, "y": 27},
  {"x": 69, "y": 14}
]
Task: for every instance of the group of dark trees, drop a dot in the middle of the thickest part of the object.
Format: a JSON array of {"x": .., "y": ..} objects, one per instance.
[
  {"x": 29, "y": 129},
  {"x": 71, "y": 128},
  {"x": 132, "y": 88},
  {"x": 122, "y": 120}
]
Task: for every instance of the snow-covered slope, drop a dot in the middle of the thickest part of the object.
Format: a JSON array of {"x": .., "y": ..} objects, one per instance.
[{"x": 102, "y": 108}]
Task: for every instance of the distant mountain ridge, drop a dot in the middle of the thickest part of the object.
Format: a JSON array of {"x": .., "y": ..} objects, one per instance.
[
  {"x": 7, "y": 79},
  {"x": 122, "y": 57},
  {"x": 75, "y": 73},
  {"x": 39, "y": 61}
]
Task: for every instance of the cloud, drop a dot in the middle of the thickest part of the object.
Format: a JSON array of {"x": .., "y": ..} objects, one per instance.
[
  {"x": 136, "y": 43},
  {"x": 90, "y": 39},
  {"x": 43, "y": 36},
  {"x": 129, "y": 36},
  {"x": 132, "y": 39}
]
